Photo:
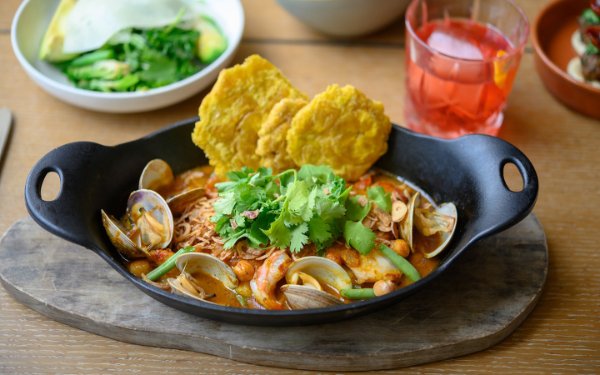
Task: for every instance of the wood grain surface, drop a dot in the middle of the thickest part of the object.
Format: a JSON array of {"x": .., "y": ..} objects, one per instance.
[
  {"x": 474, "y": 305},
  {"x": 562, "y": 335}
]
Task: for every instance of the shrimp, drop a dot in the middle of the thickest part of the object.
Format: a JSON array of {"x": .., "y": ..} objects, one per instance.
[{"x": 267, "y": 276}]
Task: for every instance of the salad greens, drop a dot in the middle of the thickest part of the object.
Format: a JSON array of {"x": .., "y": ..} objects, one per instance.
[
  {"x": 137, "y": 60},
  {"x": 293, "y": 209}
]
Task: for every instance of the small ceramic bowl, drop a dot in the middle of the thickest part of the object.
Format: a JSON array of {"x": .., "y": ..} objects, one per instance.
[
  {"x": 552, "y": 33},
  {"x": 30, "y": 24},
  {"x": 345, "y": 18}
]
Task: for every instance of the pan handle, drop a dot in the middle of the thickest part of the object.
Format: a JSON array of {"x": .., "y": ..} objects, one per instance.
[
  {"x": 500, "y": 207},
  {"x": 67, "y": 215}
]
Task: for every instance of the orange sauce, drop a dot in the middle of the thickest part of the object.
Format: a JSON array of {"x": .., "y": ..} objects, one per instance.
[
  {"x": 426, "y": 244},
  {"x": 222, "y": 295},
  {"x": 194, "y": 178}
]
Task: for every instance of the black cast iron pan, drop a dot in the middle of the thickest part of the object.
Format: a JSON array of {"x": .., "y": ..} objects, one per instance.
[{"x": 467, "y": 171}]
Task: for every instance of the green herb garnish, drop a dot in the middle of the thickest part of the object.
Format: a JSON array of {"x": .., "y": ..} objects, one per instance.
[
  {"x": 590, "y": 17},
  {"x": 591, "y": 49},
  {"x": 291, "y": 209},
  {"x": 359, "y": 237},
  {"x": 380, "y": 197}
]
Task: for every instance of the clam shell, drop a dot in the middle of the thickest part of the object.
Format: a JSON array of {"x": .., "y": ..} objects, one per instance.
[
  {"x": 209, "y": 265},
  {"x": 178, "y": 288},
  {"x": 448, "y": 209},
  {"x": 301, "y": 297},
  {"x": 322, "y": 269},
  {"x": 180, "y": 202},
  {"x": 117, "y": 236},
  {"x": 151, "y": 213},
  {"x": 406, "y": 225},
  {"x": 156, "y": 174}
]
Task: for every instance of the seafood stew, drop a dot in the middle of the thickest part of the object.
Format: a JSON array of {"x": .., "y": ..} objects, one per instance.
[
  {"x": 344, "y": 242},
  {"x": 485, "y": 206}
]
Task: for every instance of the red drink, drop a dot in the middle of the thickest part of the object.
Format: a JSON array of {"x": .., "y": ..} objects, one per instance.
[{"x": 459, "y": 75}]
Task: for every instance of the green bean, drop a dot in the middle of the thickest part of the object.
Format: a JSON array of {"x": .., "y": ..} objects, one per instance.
[
  {"x": 363, "y": 293},
  {"x": 168, "y": 264},
  {"x": 403, "y": 265}
]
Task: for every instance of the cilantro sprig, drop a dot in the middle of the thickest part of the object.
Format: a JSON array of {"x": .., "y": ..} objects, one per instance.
[{"x": 293, "y": 209}]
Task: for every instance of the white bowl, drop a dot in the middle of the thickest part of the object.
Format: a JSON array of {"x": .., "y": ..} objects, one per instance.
[
  {"x": 30, "y": 24},
  {"x": 346, "y": 18}
]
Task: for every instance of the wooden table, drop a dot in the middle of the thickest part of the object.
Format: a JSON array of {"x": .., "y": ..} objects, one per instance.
[{"x": 561, "y": 335}]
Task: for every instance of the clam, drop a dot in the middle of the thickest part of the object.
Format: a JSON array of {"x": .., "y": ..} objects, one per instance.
[
  {"x": 178, "y": 203},
  {"x": 116, "y": 234},
  {"x": 301, "y": 297},
  {"x": 324, "y": 270},
  {"x": 192, "y": 264},
  {"x": 157, "y": 175},
  {"x": 314, "y": 273},
  {"x": 429, "y": 220},
  {"x": 209, "y": 265},
  {"x": 151, "y": 215},
  {"x": 406, "y": 225},
  {"x": 186, "y": 285},
  {"x": 442, "y": 220},
  {"x": 147, "y": 225},
  {"x": 306, "y": 280}
]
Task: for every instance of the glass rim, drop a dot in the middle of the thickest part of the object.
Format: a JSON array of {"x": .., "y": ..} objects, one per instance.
[{"x": 515, "y": 51}]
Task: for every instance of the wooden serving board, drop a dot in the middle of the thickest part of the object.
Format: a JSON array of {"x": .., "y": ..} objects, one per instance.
[{"x": 474, "y": 305}]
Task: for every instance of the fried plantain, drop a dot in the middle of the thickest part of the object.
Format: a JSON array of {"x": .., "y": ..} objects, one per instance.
[
  {"x": 272, "y": 142},
  {"x": 341, "y": 128},
  {"x": 233, "y": 112}
]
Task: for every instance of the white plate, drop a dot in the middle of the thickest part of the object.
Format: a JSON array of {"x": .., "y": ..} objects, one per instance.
[{"x": 30, "y": 24}]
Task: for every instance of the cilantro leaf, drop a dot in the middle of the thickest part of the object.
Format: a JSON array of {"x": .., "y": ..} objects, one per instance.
[
  {"x": 591, "y": 49},
  {"x": 355, "y": 210},
  {"x": 286, "y": 178},
  {"x": 380, "y": 197},
  {"x": 590, "y": 17},
  {"x": 279, "y": 234},
  {"x": 328, "y": 209},
  {"x": 256, "y": 233},
  {"x": 297, "y": 197},
  {"x": 225, "y": 203},
  {"x": 319, "y": 231},
  {"x": 239, "y": 175},
  {"x": 299, "y": 238},
  {"x": 233, "y": 239},
  {"x": 313, "y": 174},
  {"x": 310, "y": 205},
  {"x": 359, "y": 237}
]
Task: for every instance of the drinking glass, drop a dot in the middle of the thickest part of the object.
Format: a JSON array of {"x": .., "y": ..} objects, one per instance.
[{"x": 461, "y": 60}]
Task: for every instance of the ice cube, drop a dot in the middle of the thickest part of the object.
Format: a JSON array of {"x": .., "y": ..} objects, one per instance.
[{"x": 454, "y": 44}]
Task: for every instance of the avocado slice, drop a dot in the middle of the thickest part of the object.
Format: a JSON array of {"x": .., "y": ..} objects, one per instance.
[
  {"x": 211, "y": 43},
  {"x": 52, "y": 44}
]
